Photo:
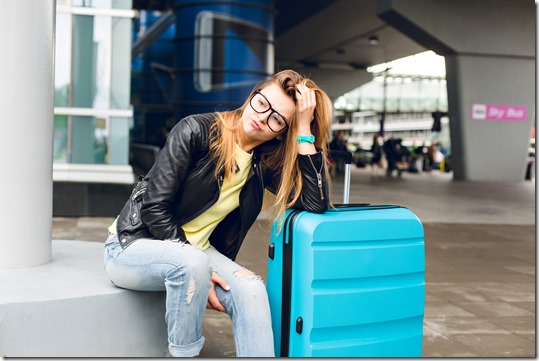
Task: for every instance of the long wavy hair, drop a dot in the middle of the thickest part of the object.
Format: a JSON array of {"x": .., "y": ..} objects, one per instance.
[{"x": 278, "y": 155}]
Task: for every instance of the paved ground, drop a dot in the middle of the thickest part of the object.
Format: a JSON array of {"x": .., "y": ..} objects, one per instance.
[{"x": 480, "y": 261}]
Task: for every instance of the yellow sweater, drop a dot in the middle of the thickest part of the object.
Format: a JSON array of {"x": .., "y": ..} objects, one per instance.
[{"x": 199, "y": 229}]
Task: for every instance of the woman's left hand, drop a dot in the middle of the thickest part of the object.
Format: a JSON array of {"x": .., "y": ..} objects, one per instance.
[{"x": 306, "y": 105}]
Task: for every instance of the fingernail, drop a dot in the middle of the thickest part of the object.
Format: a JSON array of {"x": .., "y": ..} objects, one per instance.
[{"x": 227, "y": 287}]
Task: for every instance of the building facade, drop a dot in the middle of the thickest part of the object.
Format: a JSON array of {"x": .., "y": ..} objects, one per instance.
[
  {"x": 92, "y": 111},
  {"x": 405, "y": 93}
]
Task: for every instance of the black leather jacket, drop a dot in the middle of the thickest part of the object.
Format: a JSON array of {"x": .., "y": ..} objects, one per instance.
[{"x": 181, "y": 185}]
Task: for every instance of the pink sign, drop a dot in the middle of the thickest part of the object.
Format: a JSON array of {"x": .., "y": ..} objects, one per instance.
[{"x": 504, "y": 112}]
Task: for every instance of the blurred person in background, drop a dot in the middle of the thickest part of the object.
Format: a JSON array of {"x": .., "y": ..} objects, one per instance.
[{"x": 376, "y": 150}]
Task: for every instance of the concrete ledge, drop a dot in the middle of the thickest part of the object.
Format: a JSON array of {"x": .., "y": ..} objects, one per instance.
[
  {"x": 69, "y": 308},
  {"x": 88, "y": 173}
]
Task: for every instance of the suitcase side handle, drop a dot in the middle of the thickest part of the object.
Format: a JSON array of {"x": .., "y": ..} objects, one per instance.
[{"x": 347, "y": 156}]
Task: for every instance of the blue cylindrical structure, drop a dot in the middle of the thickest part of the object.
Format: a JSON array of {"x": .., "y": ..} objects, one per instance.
[
  {"x": 145, "y": 82},
  {"x": 222, "y": 49},
  {"x": 151, "y": 89}
]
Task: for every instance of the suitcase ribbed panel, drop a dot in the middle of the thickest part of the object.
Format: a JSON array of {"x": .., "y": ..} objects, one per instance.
[{"x": 357, "y": 283}]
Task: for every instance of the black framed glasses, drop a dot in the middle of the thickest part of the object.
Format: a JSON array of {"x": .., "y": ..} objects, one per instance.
[{"x": 260, "y": 104}]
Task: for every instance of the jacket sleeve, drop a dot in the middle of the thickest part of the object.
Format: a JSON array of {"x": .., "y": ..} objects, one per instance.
[
  {"x": 164, "y": 180},
  {"x": 314, "y": 193}
]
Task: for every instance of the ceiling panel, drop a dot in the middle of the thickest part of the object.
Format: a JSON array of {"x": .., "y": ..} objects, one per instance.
[{"x": 338, "y": 35}]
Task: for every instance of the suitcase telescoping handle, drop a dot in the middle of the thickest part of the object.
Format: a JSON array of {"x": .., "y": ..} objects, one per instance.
[{"x": 347, "y": 156}]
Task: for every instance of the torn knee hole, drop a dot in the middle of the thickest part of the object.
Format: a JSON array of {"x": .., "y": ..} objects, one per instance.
[
  {"x": 191, "y": 288},
  {"x": 244, "y": 273}
]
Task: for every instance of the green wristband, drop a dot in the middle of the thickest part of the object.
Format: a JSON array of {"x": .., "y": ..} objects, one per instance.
[{"x": 305, "y": 139}]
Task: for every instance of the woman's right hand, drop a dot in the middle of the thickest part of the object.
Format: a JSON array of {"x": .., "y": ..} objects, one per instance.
[
  {"x": 213, "y": 300},
  {"x": 306, "y": 105}
]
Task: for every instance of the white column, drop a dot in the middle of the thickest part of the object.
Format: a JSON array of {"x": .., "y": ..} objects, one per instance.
[{"x": 27, "y": 111}]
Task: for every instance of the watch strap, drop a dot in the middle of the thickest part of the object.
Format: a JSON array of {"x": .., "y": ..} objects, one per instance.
[{"x": 306, "y": 139}]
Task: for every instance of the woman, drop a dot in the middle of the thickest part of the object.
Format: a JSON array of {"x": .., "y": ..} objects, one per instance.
[{"x": 182, "y": 228}]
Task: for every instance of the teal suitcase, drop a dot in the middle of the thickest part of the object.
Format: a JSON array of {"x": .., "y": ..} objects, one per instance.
[{"x": 348, "y": 283}]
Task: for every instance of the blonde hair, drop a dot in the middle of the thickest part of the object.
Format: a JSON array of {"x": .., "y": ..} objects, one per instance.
[{"x": 280, "y": 156}]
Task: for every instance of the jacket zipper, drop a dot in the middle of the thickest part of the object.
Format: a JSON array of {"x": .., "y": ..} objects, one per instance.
[
  {"x": 139, "y": 192},
  {"x": 220, "y": 181},
  {"x": 318, "y": 176}
]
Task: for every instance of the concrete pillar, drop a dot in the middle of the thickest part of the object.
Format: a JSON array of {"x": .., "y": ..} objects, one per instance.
[
  {"x": 26, "y": 99},
  {"x": 489, "y": 149},
  {"x": 489, "y": 47}
]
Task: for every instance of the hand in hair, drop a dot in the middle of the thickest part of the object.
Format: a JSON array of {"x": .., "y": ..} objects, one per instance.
[{"x": 305, "y": 108}]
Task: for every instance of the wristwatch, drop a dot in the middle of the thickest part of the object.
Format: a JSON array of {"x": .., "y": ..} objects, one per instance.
[{"x": 305, "y": 139}]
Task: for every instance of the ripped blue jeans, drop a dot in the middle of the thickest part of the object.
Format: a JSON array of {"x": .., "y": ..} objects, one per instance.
[{"x": 184, "y": 272}]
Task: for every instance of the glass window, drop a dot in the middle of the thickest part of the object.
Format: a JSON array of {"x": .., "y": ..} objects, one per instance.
[
  {"x": 103, "y": 4},
  {"x": 60, "y": 139},
  {"x": 119, "y": 140},
  {"x": 92, "y": 3},
  {"x": 62, "y": 63},
  {"x": 91, "y": 61},
  {"x": 121, "y": 63},
  {"x": 92, "y": 70},
  {"x": 89, "y": 140},
  {"x": 122, "y": 4}
]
